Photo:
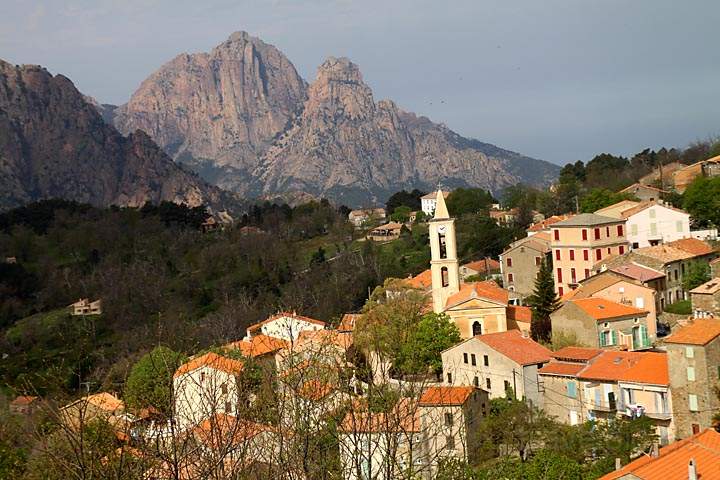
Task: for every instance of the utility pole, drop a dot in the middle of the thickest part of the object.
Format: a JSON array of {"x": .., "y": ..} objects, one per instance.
[{"x": 577, "y": 204}]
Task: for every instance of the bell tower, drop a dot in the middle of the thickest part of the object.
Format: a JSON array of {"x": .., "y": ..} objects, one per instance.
[{"x": 443, "y": 249}]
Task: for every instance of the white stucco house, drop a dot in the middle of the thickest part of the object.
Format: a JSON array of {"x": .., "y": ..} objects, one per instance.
[
  {"x": 650, "y": 223},
  {"x": 429, "y": 202}
]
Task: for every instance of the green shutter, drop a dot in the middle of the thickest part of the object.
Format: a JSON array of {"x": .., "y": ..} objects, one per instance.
[
  {"x": 614, "y": 337},
  {"x": 600, "y": 339},
  {"x": 644, "y": 336}
]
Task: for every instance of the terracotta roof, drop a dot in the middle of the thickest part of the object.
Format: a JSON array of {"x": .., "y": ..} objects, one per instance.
[
  {"x": 446, "y": 395},
  {"x": 544, "y": 236},
  {"x": 603, "y": 309},
  {"x": 422, "y": 280},
  {"x": 709, "y": 287},
  {"x": 211, "y": 360},
  {"x": 638, "y": 272},
  {"x": 23, "y": 400},
  {"x": 315, "y": 390},
  {"x": 564, "y": 369},
  {"x": 389, "y": 226},
  {"x": 692, "y": 245},
  {"x": 479, "y": 265},
  {"x": 586, "y": 220},
  {"x": 699, "y": 331},
  {"x": 222, "y": 428},
  {"x": 516, "y": 347},
  {"x": 615, "y": 210},
  {"x": 578, "y": 354},
  {"x": 635, "y": 367},
  {"x": 103, "y": 400},
  {"x": 280, "y": 315},
  {"x": 518, "y": 313},
  {"x": 539, "y": 242},
  {"x": 488, "y": 290},
  {"x": 259, "y": 345},
  {"x": 347, "y": 324},
  {"x": 326, "y": 337},
  {"x": 544, "y": 224},
  {"x": 432, "y": 195},
  {"x": 664, "y": 253},
  {"x": 403, "y": 418},
  {"x": 672, "y": 461}
]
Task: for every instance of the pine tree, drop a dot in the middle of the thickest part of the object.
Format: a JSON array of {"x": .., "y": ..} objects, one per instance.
[{"x": 543, "y": 302}]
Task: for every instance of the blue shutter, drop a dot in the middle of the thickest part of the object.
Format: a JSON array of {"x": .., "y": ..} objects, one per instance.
[{"x": 571, "y": 389}]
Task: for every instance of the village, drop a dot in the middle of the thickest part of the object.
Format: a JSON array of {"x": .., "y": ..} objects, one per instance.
[{"x": 630, "y": 340}]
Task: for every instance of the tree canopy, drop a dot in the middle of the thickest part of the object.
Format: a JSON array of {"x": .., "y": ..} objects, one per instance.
[
  {"x": 468, "y": 200},
  {"x": 150, "y": 381},
  {"x": 543, "y": 302}
]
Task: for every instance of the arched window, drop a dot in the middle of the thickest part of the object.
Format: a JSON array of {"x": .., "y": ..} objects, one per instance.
[
  {"x": 444, "y": 275},
  {"x": 477, "y": 328},
  {"x": 443, "y": 245}
]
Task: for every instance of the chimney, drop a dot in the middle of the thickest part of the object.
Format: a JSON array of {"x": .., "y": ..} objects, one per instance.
[
  {"x": 618, "y": 463},
  {"x": 692, "y": 471}
]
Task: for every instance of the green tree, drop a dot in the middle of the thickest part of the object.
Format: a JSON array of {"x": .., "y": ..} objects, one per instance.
[
  {"x": 401, "y": 214},
  {"x": 421, "y": 353},
  {"x": 404, "y": 198},
  {"x": 599, "y": 198},
  {"x": 468, "y": 200},
  {"x": 702, "y": 201},
  {"x": 150, "y": 379},
  {"x": 543, "y": 302},
  {"x": 697, "y": 273}
]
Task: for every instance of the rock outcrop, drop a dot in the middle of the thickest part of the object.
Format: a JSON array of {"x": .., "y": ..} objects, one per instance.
[
  {"x": 218, "y": 111},
  {"x": 53, "y": 143},
  {"x": 243, "y": 118}
]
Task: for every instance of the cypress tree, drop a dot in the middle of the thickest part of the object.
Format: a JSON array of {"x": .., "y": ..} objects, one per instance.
[{"x": 543, "y": 302}]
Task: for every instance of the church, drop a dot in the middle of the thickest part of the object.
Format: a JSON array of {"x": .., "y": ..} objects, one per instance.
[{"x": 476, "y": 308}]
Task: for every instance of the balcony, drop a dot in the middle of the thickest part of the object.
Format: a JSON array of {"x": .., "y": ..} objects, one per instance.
[{"x": 601, "y": 406}]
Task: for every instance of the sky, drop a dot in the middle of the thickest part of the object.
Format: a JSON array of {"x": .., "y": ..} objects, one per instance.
[{"x": 560, "y": 80}]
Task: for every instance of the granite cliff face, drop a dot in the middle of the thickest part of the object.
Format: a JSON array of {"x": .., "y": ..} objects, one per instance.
[
  {"x": 53, "y": 143},
  {"x": 243, "y": 118},
  {"x": 218, "y": 111}
]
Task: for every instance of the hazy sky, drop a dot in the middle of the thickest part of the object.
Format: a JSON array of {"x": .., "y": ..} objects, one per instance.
[{"x": 558, "y": 80}]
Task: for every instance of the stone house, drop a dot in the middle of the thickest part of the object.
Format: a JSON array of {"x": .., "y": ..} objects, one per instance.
[
  {"x": 683, "y": 177},
  {"x": 449, "y": 417},
  {"x": 581, "y": 241},
  {"x": 705, "y": 299},
  {"x": 620, "y": 289},
  {"x": 360, "y": 217},
  {"x": 497, "y": 362},
  {"x": 694, "y": 357},
  {"x": 601, "y": 323},
  {"x": 561, "y": 393},
  {"x": 646, "y": 277},
  {"x": 103, "y": 406},
  {"x": 645, "y": 193},
  {"x": 521, "y": 260}
]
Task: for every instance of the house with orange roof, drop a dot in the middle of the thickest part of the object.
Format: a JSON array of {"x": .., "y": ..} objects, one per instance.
[
  {"x": 684, "y": 176},
  {"x": 693, "y": 458},
  {"x": 561, "y": 394},
  {"x": 104, "y": 406},
  {"x": 497, "y": 362},
  {"x": 705, "y": 299},
  {"x": 486, "y": 267},
  {"x": 520, "y": 263},
  {"x": 284, "y": 325},
  {"x": 449, "y": 417},
  {"x": 544, "y": 225},
  {"x": 204, "y": 386},
  {"x": 694, "y": 356},
  {"x": 602, "y": 323},
  {"x": 630, "y": 384},
  {"x": 650, "y": 222}
]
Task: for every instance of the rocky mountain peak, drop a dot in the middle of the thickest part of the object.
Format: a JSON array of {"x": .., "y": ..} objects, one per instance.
[{"x": 339, "y": 93}]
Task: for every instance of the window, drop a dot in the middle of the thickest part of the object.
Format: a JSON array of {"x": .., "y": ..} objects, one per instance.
[
  {"x": 609, "y": 250},
  {"x": 450, "y": 441},
  {"x": 445, "y": 277},
  {"x": 597, "y": 234},
  {"x": 653, "y": 228},
  {"x": 620, "y": 230},
  {"x": 586, "y": 255},
  {"x": 449, "y": 377},
  {"x": 693, "y": 402},
  {"x": 556, "y": 233},
  {"x": 679, "y": 226},
  {"x": 465, "y": 357},
  {"x": 507, "y": 385},
  {"x": 689, "y": 352},
  {"x": 633, "y": 229},
  {"x": 572, "y": 389},
  {"x": 511, "y": 278},
  {"x": 472, "y": 360},
  {"x": 443, "y": 245},
  {"x": 223, "y": 388},
  {"x": 202, "y": 377},
  {"x": 228, "y": 407},
  {"x": 488, "y": 384},
  {"x": 573, "y": 279},
  {"x": 652, "y": 213},
  {"x": 538, "y": 261},
  {"x": 584, "y": 234},
  {"x": 509, "y": 262},
  {"x": 598, "y": 254},
  {"x": 486, "y": 360},
  {"x": 559, "y": 275},
  {"x": 476, "y": 381},
  {"x": 676, "y": 275},
  {"x": 621, "y": 249},
  {"x": 561, "y": 291},
  {"x": 607, "y": 232},
  {"x": 587, "y": 273},
  {"x": 572, "y": 254},
  {"x": 639, "y": 302},
  {"x": 691, "y": 374},
  {"x": 449, "y": 419},
  {"x": 557, "y": 254},
  {"x": 477, "y": 328}
]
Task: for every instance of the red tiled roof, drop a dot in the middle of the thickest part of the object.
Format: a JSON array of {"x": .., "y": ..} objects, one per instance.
[
  {"x": 259, "y": 345},
  {"x": 700, "y": 331},
  {"x": 211, "y": 360},
  {"x": 23, "y": 400},
  {"x": 479, "y": 265},
  {"x": 638, "y": 272},
  {"x": 543, "y": 225},
  {"x": 692, "y": 245},
  {"x": 487, "y": 289},
  {"x": 222, "y": 427},
  {"x": 603, "y": 309},
  {"x": 635, "y": 367},
  {"x": 519, "y": 313},
  {"x": 672, "y": 461},
  {"x": 422, "y": 280},
  {"x": 445, "y": 395},
  {"x": 565, "y": 369},
  {"x": 516, "y": 347},
  {"x": 403, "y": 418},
  {"x": 315, "y": 390},
  {"x": 254, "y": 327},
  {"x": 578, "y": 354}
]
